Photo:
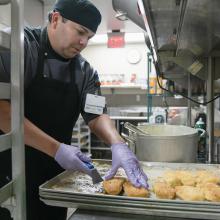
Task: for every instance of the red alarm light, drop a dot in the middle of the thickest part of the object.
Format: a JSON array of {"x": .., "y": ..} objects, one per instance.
[{"x": 116, "y": 40}]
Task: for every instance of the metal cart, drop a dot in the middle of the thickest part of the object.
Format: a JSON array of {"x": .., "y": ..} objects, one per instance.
[{"x": 15, "y": 190}]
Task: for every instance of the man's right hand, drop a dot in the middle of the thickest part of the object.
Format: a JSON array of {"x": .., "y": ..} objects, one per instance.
[{"x": 71, "y": 158}]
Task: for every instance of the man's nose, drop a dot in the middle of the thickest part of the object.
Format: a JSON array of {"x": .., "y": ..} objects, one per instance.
[{"x": 84, "y": 41}]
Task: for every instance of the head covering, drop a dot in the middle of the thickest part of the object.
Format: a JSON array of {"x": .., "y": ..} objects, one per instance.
[{"x": 82, "y": 12}]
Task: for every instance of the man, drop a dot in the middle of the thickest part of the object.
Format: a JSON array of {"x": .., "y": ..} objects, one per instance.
[{"x": 57, "y": 81}]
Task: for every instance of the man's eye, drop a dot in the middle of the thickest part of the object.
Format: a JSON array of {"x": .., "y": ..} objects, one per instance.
[{"x": 80, "y": 32}]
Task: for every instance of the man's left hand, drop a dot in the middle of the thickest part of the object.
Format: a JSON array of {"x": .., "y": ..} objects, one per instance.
[{"x": 123, "y": 157}]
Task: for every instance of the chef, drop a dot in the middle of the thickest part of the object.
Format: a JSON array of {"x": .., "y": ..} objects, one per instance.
[{"x": 59, "y": 85}]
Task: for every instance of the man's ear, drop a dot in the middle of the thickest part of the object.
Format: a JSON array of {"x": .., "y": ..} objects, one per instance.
[{"x": 54, "y": 19}]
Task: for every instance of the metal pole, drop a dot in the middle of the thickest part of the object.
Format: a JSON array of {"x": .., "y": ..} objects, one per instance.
[
  {"x": 189, "y": 102},
  {"x": 17, "y": 106},
  {"x": 210, "y": 109},
  {"x": 149, "y": 96}
]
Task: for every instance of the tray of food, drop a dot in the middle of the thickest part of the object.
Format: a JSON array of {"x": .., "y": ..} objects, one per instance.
[{"x": 175, "y": 189}]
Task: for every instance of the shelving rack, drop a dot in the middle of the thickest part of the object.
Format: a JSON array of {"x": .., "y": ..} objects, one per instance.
[
  {"x": 81, "y": 135},
  {"x": 14, "y": 91}
]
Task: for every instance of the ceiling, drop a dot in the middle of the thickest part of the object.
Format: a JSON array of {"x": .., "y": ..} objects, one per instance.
[{"x": 109, "y": 22}]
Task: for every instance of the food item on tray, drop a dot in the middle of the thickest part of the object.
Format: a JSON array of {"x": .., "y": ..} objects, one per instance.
[
  {"x": 186, "y": 177},
  {"x": 205, "y": 176},
  {"x": 132, "y": 191},
  {"x": 117, "y": 184},
  {"x": 179, "y": 177},
  {"x": 113, "y": 186},
  {"x": 211, "y": 191},
  {"x": 171, "y": 178},
  {"x": 189, "y": 193},
  {"x": 163, "y": 190}
]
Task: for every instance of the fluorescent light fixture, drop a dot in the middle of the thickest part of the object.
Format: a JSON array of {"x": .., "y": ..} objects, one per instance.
[
  {"x": 134, "y": 37},
  {"x": 98, "y": 39},
  {"x": 141, "y": 7},
  {"x": 129, "y": 38}
]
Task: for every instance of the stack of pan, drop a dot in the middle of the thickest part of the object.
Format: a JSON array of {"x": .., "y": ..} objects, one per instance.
[{"x": 65, "y": 196}]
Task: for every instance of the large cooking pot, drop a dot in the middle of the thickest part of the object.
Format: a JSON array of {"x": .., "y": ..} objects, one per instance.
[{"x": 164, "y": 143}]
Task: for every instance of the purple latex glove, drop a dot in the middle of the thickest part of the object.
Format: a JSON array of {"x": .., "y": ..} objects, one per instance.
[
  {"x": 71, "y": 158},
  {"x": 123, "y": 157}
]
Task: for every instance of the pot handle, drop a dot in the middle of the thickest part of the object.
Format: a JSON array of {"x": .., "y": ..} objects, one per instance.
[
  {"x": 203, "y": 132},
  {"x": 134, "y": 129},
  {"x": 131, "y": 140}
]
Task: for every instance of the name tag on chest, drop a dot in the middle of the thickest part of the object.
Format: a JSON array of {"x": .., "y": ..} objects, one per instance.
[{"x": 94, "y": 104}]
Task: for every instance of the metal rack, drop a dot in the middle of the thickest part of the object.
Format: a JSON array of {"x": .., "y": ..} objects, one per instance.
[
  {"x": 81, "y": 135},
  {"x": 14, "y": 91},
  {"x": 182, "y": 38}
]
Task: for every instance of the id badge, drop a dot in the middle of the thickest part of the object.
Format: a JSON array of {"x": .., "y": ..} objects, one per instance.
[{"x": 94, "y": 104}]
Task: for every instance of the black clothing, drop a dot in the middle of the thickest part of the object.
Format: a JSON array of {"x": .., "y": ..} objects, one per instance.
[
  {"x": 86, "y": 77},
  {"x": 53, "y": 105},
  {"x": 53, "y": 96},
  {"x": 82, "y": 12}
]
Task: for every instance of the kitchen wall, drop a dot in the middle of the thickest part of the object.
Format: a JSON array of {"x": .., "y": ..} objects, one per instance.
[
  {"x": 33, "y": 14},
  {"x": 114, "y": 60},
  {"x": 5, "y": 16}
]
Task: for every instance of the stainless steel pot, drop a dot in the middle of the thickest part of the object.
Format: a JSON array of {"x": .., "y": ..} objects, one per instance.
[{"x": 164, "y": 143}]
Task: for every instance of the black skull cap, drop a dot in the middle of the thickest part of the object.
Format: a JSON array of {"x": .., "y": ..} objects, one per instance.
[{"x": 82, "y": 12}]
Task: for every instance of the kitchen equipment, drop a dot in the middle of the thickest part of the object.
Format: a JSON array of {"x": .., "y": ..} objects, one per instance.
[
  {"x": 165, "y": 143},
  {"x": 96, "y": 177},
  {"x": 135, "y": 129},
  {"x": 74, "y": 189}
]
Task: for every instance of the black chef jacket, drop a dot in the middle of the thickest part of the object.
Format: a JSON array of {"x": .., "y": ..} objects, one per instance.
[{"x": 86, "y": 78}]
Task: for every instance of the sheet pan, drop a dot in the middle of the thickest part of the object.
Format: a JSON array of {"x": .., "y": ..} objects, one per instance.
[{"x": 74, "y": 189}]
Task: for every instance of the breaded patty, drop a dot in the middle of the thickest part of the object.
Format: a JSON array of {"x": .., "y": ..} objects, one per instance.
[
  {"x": 133, "y": 191},
  {"x": 189, "y": 193},
  {"x": 113, "y": 186},
  {"x": 163, "y": 190}
]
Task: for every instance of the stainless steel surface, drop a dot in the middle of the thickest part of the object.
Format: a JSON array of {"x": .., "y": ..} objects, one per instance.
[
  {"x": 166, "y": 143},
  {"x": 4, "y": 40},
  {"x": 182, "y": 34},
  {"x": 128, "y": 118},
  {"x": 189, "y": 103},
  {"x": 5, "y": 142},
  {"x": 210, "y": 109},
  {"x": 101, "y": 215},
  {"x": 5, "y": 90},
  {"x": 4, "y": 2},
  {"x": 66, "y": 191},
  {"x": 135, "y": 129},
  {"x": 16, "y": 188},
  {"x": 96, "y": 177},
  {"x": 5, "y": 191},
  {"x": 122, "y": 6},
  {"x": 130, "y": 141},
  {"x": 17, "y": 108}
]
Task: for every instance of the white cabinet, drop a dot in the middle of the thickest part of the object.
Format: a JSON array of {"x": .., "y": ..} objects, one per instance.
[{"x": 81, "y": 135}]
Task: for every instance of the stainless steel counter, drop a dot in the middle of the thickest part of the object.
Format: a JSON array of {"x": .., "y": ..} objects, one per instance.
[{"x": 99, "y": 215}]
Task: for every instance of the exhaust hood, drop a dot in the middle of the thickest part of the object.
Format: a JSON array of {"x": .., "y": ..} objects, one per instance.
[{"x": 181, "y": 33}]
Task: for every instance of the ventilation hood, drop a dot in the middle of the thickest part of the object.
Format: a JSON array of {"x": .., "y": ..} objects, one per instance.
[{"x": 182, "y": 34}]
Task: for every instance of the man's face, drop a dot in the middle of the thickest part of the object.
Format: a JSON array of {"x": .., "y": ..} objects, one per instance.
[{"x": 68, "y": 38}]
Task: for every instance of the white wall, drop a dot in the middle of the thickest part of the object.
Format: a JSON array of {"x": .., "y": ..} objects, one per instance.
[
  {"x": 33, "y": 14},
  {"x": 114, "y": 60},
  {"x": 5, "y": 16}
]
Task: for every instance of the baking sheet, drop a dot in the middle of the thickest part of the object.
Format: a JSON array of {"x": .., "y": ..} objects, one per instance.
[{"x": 74, "y": 189}]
